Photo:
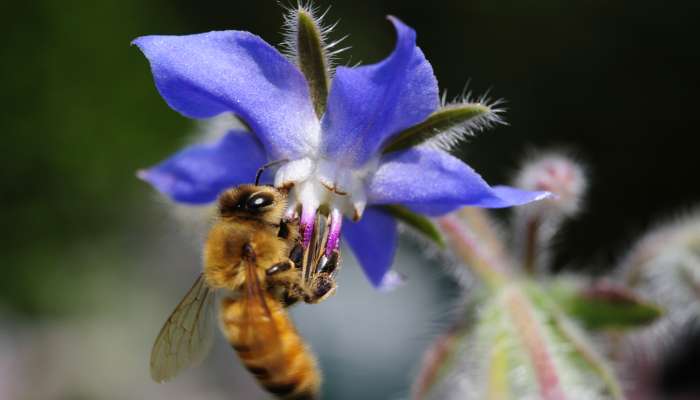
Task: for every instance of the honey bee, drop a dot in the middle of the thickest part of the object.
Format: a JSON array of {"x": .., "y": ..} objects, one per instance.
[{"x": 253, "y": 257}]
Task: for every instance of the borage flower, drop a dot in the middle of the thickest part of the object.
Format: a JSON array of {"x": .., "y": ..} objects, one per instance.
[{"x": 360, "y": 143}]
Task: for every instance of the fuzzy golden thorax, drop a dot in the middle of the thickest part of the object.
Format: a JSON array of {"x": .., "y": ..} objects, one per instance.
[{"x": 247, "y": 230}]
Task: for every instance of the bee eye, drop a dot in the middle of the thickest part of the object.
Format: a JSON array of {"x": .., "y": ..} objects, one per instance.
[{"x": 258, "y": 201}]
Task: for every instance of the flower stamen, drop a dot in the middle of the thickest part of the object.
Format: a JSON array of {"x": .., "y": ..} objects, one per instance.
[
  {"x": 307, "y": 225},
  {"x": 333, "y": 235}
]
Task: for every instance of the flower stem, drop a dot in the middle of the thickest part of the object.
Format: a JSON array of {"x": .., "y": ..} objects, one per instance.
[
  {"x": 498, "y": 388},
  {"x": 436, "y": 361},
  {"x": 531, "y": 246},
  {"x": 523, "y": 317},
  {"x": 483, "y": 263},
  {"x": 590, "y": 357}
]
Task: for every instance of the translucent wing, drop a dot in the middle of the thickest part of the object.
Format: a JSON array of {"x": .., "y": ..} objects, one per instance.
[{"x": 186, "y": 336}]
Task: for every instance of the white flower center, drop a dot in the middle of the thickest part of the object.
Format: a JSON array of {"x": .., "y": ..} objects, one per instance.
[{"x": 319, "y": 184}]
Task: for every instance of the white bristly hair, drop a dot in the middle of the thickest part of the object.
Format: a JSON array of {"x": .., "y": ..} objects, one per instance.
[
  {"x": 290, "y": 30},
  {"x": 459, "y": 133}
]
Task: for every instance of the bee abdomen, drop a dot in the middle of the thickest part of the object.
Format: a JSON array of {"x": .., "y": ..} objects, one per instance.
[
  {"x": 296, "y": 378},
  {"x": 285, "y": 368}
]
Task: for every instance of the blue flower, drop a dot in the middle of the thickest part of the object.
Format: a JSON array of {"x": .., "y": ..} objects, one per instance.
[{"x": 337, "y": 162}]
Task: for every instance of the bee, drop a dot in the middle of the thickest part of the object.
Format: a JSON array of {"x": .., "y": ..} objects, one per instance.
[{"x": 255, "y": 260}]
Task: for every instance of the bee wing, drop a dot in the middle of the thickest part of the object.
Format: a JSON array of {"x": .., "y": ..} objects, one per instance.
[
  {"x": 260, "y": 327},
  {"x": 186, "y": 336}
]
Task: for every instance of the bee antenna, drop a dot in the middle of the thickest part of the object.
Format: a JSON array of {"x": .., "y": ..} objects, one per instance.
[{"x": 266, "y": 166}]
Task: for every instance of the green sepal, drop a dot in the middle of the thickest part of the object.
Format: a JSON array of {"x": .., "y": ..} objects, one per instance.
[
  {"x": 442, "y": 120},
  {"x": 606, "y": 306},
  {"x": 416, "y": 221},
  {"x": 313, "y": 59}
]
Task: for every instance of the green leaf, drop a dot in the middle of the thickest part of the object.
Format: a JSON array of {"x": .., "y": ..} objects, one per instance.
[
  {"x": 416, "y": 221},
  {"x": 442, "y": 120},
  {"x": 606, "y": 306},
  {"x": 313, "y": 59}
]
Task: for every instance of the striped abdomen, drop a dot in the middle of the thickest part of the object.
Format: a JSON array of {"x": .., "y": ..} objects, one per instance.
[{"x": 270, "y": 348}]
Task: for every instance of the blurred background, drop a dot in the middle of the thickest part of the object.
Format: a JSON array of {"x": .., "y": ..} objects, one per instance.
[{"x": 93, "y": 261}]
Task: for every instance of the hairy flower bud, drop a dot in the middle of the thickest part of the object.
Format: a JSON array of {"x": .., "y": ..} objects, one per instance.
[
  {"x": 665, "y": 266},
  {"x": 535, "y": 225},
  {"x": 558, "y": 174}
]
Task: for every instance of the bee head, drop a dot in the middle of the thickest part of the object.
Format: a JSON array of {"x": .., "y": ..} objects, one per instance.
[{"x": 253, "y": 201}]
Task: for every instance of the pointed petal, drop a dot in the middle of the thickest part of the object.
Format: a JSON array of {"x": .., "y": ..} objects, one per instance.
[
  {"x": 510, "y": 196},
  {"x": 206, "y": 74},
  {"x": 197, "y": 174},
  {"x": 368, "y": 104},
  {"x": 373, "y": 240},
  {"x": 433, "y": 182},
  {"x": 391, "y": 281}
]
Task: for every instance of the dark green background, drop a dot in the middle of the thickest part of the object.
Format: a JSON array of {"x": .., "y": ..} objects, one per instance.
[{"x": 613, "y": 82}]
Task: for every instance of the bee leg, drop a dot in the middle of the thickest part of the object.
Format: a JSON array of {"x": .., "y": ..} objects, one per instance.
[
  {"x": 284, "y": 230},
  {"x": 292, "y": 295},
  {"x": 323, "y": 283},
  {"x": 282, "y": 283},
  {"x": 289, "y": 299},
  {"x": 279, "y": 267},
  {"x": 297, "y": 254},
  {"x": 248, "y": 252},
  {"x": 322, "y": 288}
]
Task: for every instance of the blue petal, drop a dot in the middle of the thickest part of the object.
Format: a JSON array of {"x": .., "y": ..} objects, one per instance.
[
  {"x": 366, "y": 105},
  {"x": 433, "y": 182},
  {"x": 197, "y": 174},
  {"x": 514, "y": 197},
  {"x": 373, "y": 240},
  {"x": 206, "y": 74}
]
